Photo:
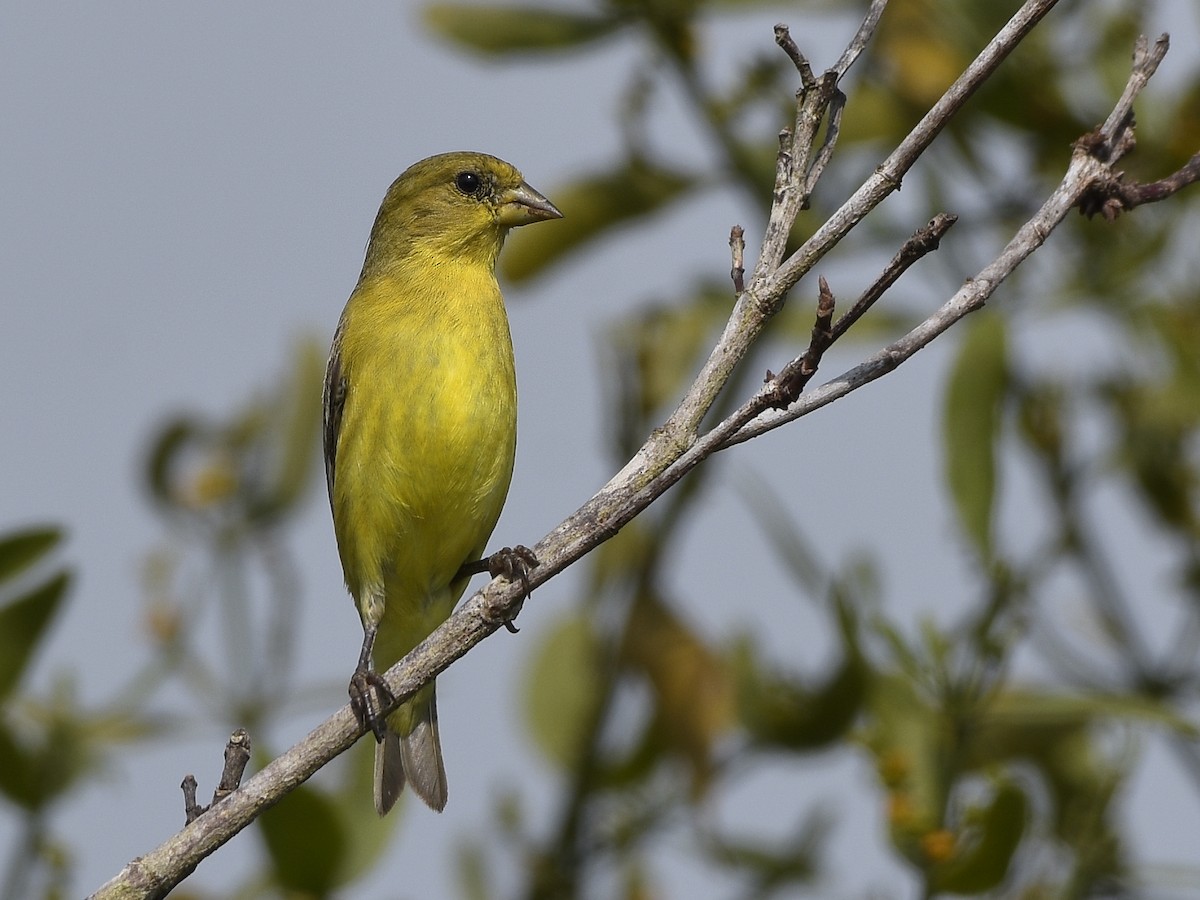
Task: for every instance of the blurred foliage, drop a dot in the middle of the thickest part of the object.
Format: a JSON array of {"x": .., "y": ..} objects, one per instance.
[
  {"x": 974, "y": 399},
  {"x": 49, "y": 745},
  {"x": 993, "y": 776}
]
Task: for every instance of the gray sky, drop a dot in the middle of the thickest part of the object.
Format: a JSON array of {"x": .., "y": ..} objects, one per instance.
[{"x": 187, "y": 188}]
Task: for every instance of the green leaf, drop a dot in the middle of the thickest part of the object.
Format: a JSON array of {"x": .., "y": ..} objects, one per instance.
[
  {"x": 306, "y": 842},
  {"x": 21, "y": 550},
  {"x": 782, "y": 712},
  {"x": 905, "y": 736},
  {"x": 51, "y": 747},
  {"x": 1028, "y": 723},
  {"x": 165, "y": 448},
  {"x": 983, "y": 866},
  {"x": 692, "y": 691},
  {"x": 562, "y": 690},
  {"x": 591, "y": 207},
  {"x": 18, "y": 781},
  {"x": 23, "y": 624},
  {"x": 503, "y": 30},
  {"x": 970, "y": 426},
  {"x": 773, "y": 864}
]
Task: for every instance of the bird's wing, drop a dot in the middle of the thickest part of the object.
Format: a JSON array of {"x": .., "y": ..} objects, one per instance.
[{"x": 334, "y": 401}]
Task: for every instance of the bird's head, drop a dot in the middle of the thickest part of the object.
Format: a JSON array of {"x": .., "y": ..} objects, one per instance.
[{"x": 454, "y": 204}]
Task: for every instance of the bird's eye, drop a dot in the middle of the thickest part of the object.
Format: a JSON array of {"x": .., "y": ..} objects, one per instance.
[{"x": 469, "y": 183}]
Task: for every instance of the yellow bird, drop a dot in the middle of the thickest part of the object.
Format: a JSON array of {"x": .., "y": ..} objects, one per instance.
[{"x": 420, "y": 432}]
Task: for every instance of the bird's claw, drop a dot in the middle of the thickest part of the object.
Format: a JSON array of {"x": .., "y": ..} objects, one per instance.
[
  {"x": 510, "y": 624},
  {"x": 514, "y": 564},
  {"x": 369, "y": 696}
]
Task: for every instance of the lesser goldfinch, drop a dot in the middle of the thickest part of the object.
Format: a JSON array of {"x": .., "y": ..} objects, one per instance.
[{"x": 420, "y": 430}]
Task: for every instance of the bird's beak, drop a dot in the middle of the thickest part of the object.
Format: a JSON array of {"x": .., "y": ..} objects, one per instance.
[{"x": 523, "y": 205}]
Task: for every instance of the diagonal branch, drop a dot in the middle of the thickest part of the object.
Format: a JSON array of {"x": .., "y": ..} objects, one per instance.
[
  {"x": 769, "y": 284},
  {"x": 1081, "y": 173},
  {"x": 861, "y": 38},
  {"x": 795, "y": 376}
]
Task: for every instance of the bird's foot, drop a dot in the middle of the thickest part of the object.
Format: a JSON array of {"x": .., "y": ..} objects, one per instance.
[
  {"x": 369, "y": 696},
  {"x": 514, "y": 564}
]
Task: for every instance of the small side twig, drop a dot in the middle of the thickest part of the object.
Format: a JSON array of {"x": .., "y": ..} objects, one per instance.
[
  {"x": 861, "y": 38},
  {"x": 796, "y": 375},
  {"x": 737, "y": 246},
  {"x": 923, "y": 241},
  {"x": 237, "y": 757},
  {"x": 783, "y": 37},
  {"x": 1112, "y": 196},
  {"x": 791, "y": 380},
  {"x": 1116, "y": 134},
  {"x": 191, "y": 809},
  {"x": 835, "y": 105},
  {"x": 822, "y": 333}
]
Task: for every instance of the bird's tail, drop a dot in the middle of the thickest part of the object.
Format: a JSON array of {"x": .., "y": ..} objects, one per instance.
[{"x": 411, "y": 752}]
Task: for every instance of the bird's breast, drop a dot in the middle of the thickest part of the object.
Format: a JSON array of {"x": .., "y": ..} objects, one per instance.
[{"x": 428, "y": 433}]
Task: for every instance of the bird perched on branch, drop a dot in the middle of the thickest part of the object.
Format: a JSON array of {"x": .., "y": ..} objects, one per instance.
[{"x": 420, "y": 433}]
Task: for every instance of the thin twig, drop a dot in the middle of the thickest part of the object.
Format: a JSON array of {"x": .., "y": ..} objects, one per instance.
[
  {"x": 783, "y": 37},
  {"x": 861, "y": 38},
  {"x": 237, "y": 756},
  {"x": 971, "y": 296},
  {"x": 737, "y": 247},
  {"x": 1116, "y": 133},
  {"x": 1087, "y": 169},
  {"x": 191, "y": 809},
  {"x": 795, "y": 376},
  {"x": 774, "y": 285},
  {"x": 1114, "y": 196},
  {"x": 923, "y": 242},
  {"x": 770, "y": 281},
  {"x": 833, "y": 130},
  {"x": 822, "y": 334}
]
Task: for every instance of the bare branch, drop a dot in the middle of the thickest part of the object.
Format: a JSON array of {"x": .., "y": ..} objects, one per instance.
[
  {"x": 1133, "y": 195},
  {"x": 822, "y": 334},
  {"x": 785, "y": 388},
  {"x": 237, "y": 756},
  {"x": 783, "y": 37},
  {"x": 191, "y": 809},
  {"x": 1081, "y": 173},
  {"x": 925, "y": 241},
  {"x": 836, "y": 104},
  {"x": 770, "y": 282},
  {"x": 1115, "y": 136},
  {"x": 775, "y": 285},
  {"x": 861, "y": 38},
  {"x": 1112, "y": 196}
]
